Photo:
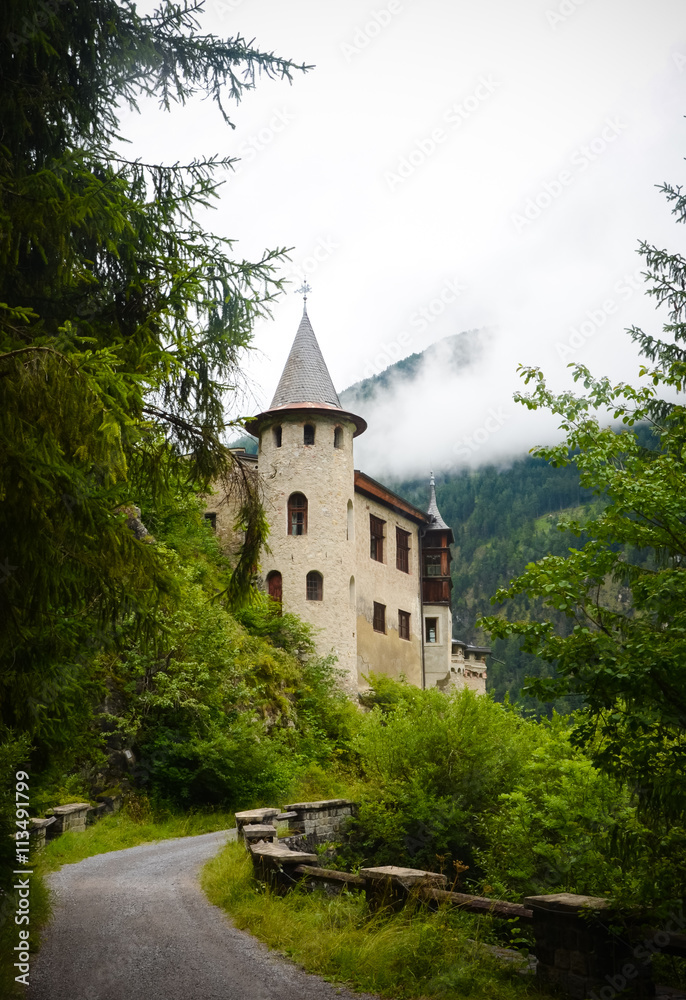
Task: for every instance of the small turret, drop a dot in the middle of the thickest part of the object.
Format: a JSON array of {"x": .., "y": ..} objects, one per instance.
[{"x": 436, "y": 557}]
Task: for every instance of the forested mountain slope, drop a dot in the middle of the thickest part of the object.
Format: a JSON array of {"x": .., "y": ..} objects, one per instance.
[{"x": 502, "y": 520}]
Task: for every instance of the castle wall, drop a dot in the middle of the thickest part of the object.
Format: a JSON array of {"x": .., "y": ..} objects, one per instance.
[
  {"x": 437, "y": 654},
  {"x": 325, "y": 475},
  {"x": 386, "y": 653}
]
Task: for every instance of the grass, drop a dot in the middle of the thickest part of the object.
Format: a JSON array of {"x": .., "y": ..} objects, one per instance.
[{"x": 412, "y": 954}]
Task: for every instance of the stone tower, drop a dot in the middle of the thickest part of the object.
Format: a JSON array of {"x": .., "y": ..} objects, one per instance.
[
  {"x": 436, "y": 592},
  {"x": 307, "y": 475}
]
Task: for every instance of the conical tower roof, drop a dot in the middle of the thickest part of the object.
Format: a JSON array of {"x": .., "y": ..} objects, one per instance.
[
  {"x": 433, "y": 511},
  {"x": 305, "y": 385},
  {"x": 305, "y": 378}
]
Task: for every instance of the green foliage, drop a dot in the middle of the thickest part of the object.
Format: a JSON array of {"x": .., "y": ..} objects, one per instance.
[
  {"x": 628, "y": 661},
  {"x": 506, "y": 805},
  {"x": 435, "y": 764},
  {"x": 553, "y": 832},
  {"x": 121, "y": 328}
]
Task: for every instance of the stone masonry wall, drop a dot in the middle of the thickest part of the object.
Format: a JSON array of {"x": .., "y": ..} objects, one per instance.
[{"x": 325, "y": 475}]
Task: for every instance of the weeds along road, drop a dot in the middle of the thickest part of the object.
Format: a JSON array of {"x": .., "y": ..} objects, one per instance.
[{"x": 135, "y": 925}]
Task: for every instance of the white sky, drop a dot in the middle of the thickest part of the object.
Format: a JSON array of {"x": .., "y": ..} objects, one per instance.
[{"x": 485, "y": 107}]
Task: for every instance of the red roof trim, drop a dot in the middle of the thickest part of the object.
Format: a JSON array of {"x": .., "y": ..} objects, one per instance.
[{"x": 369, "y": 487}]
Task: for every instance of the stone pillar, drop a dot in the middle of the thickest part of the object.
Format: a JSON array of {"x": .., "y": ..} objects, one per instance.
[
  {"x": 71, "y": 817},
  {"x": 273, "y": 864},
  {"x": 578, "y": 952},
  {"x": 253, "y": 816},
  {"x": 38, "y": 829},
  {"x": 253, "y": 833},
  {"x": 390, "y": 886}
]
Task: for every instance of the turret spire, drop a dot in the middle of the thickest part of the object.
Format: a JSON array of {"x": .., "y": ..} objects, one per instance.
[
  {"x": 433, "y": 511},
  {"x": 305, "y": 378}
]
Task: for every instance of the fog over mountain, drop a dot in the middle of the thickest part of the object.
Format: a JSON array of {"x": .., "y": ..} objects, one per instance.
[{"x": 447, "y": 408}]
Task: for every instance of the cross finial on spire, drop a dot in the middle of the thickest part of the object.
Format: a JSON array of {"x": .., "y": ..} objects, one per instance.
[{"x": 304, "y": 291}]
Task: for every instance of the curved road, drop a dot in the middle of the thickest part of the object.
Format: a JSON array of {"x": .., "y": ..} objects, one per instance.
[{"x": 135, "y": 925}]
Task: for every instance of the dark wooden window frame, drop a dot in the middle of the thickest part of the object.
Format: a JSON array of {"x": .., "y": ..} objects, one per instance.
[
  {"x": 404, "y": 624},
  {"x": 379, "y": 620},
  {"x": 402, "y": 550},
  {"x": 433, "y": 564},
  {"x": 377, "y": 529},
  {"x": 297, "y": 514}
]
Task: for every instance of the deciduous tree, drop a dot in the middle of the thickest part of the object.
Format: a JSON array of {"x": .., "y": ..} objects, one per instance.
[{"x": 627, "y": 658}]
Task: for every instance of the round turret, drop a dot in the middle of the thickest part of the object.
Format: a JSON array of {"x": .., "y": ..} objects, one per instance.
[{"x": 305, "y": 462}]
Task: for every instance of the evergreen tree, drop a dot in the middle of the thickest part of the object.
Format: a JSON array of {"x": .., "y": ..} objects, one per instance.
[{"x": 121, "y": 326}]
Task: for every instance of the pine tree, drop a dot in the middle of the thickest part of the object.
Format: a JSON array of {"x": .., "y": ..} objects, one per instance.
[{"x": 121, "y": 325}]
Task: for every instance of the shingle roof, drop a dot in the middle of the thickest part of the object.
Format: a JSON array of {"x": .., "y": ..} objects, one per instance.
[
  {"x": 433, "y": 511},
  {"x": 305, "y": 378}
]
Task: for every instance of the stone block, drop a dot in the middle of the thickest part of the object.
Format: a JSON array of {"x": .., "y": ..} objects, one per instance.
[
  {"x": 578, "y": 964},
  {"x": 561, "y": 958},
  {"x": 96, "y": 812},
  {"x": 71, "y": 817},
  {"x": 576, "y": 987},
  {"x": 389, "y": 886},
  {"x": 253, "y": 816},
  {"x": 112, "y": 803},
  {"x": 587, "y": 955},
  {"x": 273, "y": 864},
  {"x": 38, "y": 830},
  {"x": 252, "y": 833}
]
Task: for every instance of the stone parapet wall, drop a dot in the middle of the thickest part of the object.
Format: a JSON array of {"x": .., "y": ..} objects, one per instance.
[
  {"x": 578, "y": 952},
  {"x": 69, "y": 818},
  {"x": 320, "y": 821}
]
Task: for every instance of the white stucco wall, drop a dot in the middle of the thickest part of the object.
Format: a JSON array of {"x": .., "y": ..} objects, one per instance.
[{"x": 382, "y": 582}]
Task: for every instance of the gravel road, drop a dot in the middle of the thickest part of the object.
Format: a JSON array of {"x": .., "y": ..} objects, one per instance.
[{"x": 135, "y": 925}]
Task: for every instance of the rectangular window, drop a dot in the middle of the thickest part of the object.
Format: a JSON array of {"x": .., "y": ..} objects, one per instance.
[
  {"x": 404, "y": 624},
  {"x": 376, "y": 537},
  {"x": 212, "y": 518},
  {"x": 432, "y": 564},
  {"x": 379, "y": 617},
  {"x": 431, "y": 627},
  {"x": 402, "y": 550}
]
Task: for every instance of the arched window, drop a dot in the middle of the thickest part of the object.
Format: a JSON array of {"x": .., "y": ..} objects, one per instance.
[
  {"x": 274, "y": 585},
  {"x": 351, "y": 591},
  {"x": 338, "y": 437},
  {"x": 297, "y": 514},
  {"x": 308, "y": 435},
  {"x": 277, "y": 436},
  {"x": 350, "y": 531},
  {"x": 315, "y": 586}
]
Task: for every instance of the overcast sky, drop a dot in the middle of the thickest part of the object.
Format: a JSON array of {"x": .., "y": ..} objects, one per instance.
[{"x": 449, "y": 166}]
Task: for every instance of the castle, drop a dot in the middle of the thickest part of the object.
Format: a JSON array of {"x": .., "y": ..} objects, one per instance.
[{"x": 368, "y": 569}]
